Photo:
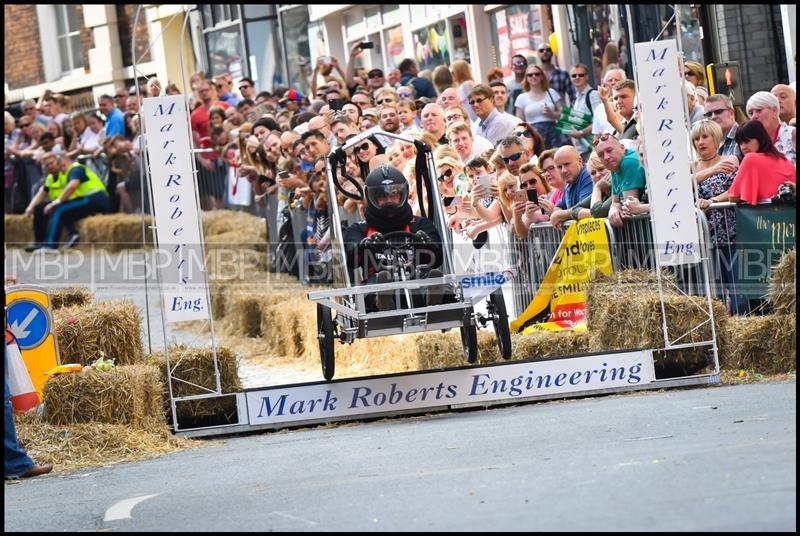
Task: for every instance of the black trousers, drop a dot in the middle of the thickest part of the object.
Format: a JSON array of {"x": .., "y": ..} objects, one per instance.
[{"x": 47, "y": 228}]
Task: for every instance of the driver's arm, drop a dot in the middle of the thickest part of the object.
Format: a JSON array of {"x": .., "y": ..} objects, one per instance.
[{"x": 430, "y": 253}]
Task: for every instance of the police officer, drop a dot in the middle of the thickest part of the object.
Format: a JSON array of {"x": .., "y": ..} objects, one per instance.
[
  {"x": 387, "y": 211},
  {"x": 70, "y": 192}
]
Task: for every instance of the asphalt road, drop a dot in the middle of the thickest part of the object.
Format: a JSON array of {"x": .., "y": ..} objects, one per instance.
[{"x": 696, "y": 459}]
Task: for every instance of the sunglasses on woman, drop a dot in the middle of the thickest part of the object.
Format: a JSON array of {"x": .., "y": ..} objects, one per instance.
[
  {"x": 445, "y": 175},
  {"x": 525, "y": 133},
  {"x": 363, "y": 147}
]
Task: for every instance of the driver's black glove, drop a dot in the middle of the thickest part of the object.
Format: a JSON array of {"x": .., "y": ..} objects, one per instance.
[{"x": 423, "y": 237}]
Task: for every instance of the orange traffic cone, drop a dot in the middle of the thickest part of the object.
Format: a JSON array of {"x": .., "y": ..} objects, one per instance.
[{"x": 23, "y": 395}]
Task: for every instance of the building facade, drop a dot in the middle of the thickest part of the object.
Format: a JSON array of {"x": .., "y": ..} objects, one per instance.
[{"x": 85, "y": 50}]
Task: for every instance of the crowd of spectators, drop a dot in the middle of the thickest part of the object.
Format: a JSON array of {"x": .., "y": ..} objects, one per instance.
[{"x": 493, "y": 139}]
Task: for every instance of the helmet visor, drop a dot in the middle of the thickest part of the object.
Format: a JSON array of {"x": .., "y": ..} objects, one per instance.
[{"x": 387, "y": 195}]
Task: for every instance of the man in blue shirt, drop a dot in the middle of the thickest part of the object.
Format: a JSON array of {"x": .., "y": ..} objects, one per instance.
[
  {"x": 408, "y": 75},
  {"x": 115, "y": 119},
  {"x": 578, "y": 183},
  {"x": 628, "y": 178}
]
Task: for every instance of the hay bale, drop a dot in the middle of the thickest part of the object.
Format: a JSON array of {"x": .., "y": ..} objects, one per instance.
[
  {"x": 246, "y": 226},
  {"x": 437, "y": 350},
  {"x": 605, "y": 289},
  {"x": 289, "y": 325},
  {"x": 235, "y": 240},
  {"x": 76, "y": 446},
  {"x": 782, "y": 292},
  {"x": 375, "y": 355},
  {"x": 112, "y": 327},
  {"x": 69, "y": 296},
  {"x": 19, "y": 230},
  {"x": 765, "y": 344},
  {"x": 634, "y": 320},
  {"x": 115, "y": 232},
  {"x": 125, "y": 395},
  {"x": 543, "y": 344},
  {"x": 196, "y": 366}
]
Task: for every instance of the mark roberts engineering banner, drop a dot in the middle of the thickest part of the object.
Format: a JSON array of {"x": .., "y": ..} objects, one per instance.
[
  {"x": 560, "y": 301},
  {"x": 179, "y": 254},
  {"x": 449, "y": 388},
  {"x": 669, "y": 177}
]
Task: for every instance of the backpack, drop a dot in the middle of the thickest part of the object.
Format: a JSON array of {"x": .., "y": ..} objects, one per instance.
[{"x": 589, "y": 102}]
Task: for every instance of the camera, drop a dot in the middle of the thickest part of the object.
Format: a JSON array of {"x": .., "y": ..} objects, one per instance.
[{"x": 785, "y": 195}]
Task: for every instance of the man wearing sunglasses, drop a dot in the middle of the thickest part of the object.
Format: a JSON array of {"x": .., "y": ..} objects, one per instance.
[
  {"x": 514, "y": 153},
  {"x": 719, "y": 108},
  {"x": 491, "y": 124},
  {"x": 586, "y": 101},
  {"x": 559, "y": 78},
  {"x": 519, "y": 64},
  {"x": 247, "y": 88}
]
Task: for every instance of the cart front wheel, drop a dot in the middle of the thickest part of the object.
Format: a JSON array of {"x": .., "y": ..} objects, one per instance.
[
  {"x": 325, "y": 334},
  {"x": 469, "y": 338},
  {"x": 500, "y": 322}
]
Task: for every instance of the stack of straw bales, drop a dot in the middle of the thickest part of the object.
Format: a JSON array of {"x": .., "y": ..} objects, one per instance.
[
  {"x": 782, "y": 293},
  {"x": 543, "y": 344},
  {"x": 115, "y": 232},
  {"x": 244, "y": 225},
  {"x": 289, "y": 325},
  {"x": 623, "y": 312},
  {"x": 766, "y": 344},
  {"x": 69, "y": 296},
  {"x": 196, "y": 366},
  {"x": 130, "y": 395},
  {"x": 19, "y": 230},
  {"x": 436, "y": 350},
  {"x": 113, "y": 327}
]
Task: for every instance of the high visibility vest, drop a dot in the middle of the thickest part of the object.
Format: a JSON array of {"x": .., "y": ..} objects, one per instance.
[{"x": 56, "y": 186}]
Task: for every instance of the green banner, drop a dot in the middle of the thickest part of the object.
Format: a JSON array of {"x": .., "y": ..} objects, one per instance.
[{"x": 763, "y": 233}]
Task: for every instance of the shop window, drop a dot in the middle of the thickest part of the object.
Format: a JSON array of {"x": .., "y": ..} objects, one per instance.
[
  {"x": 458, "y": 31},
  {"x": 517, "y": 29},
  {"x": 69, "y": 37},
  {"x": 264, "y": 48},
  {"x": 431, "y": 45},
  {"x": 395, "y": 52},
  {"x": 225, "y": 52}
]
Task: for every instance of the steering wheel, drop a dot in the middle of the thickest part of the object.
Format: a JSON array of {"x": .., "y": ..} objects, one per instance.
[{"x": 420, "y": 238}]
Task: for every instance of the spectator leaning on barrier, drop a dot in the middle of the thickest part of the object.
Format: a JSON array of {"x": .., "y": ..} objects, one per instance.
[
  {"x": 578, "y": 185},
  {"x": 764, "y": 167},
  {"x": 627, "y": 174},
  {"x": 764, "y": 108},
  {"x": 71, "y": 191},
  {"x": 706, "y": 137}
]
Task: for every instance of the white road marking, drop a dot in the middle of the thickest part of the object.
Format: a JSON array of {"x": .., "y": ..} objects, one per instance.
[
  {"x": 122, "y": 509},
  {"x": 293, "y": 518}
]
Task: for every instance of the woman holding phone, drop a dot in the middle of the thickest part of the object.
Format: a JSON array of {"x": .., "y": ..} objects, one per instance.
[{"x": 527, "y": 210}]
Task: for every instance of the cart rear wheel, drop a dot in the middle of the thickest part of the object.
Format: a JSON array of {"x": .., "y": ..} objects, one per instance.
[
  {"x": 500, "y": 322},
  {"x": 469, "y": 338},
  {"x": 325, "y": 334}
]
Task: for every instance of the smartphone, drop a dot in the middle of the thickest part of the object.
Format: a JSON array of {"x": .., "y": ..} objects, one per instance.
[
  {"x": 336, "y": 104},
  {"x": 448, "y": 200},
  {"x": 520, "y": 195},
  {"x": 485, "y": 180},
  {"x": 533, "y": 196},
  {"x": 366, "y": 44},
  {"x": 283, "y": 174}
]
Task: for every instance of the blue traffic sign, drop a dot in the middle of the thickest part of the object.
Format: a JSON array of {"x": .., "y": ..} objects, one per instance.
[{"x": 29, "y": 322}]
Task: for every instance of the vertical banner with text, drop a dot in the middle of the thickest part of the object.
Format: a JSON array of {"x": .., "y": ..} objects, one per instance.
[
  {"x": 675, "y": 232},
  {"x": 179, "y": 254}
]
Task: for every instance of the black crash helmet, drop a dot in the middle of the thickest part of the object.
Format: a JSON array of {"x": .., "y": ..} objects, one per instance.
[{"x": 386, "y": 191}]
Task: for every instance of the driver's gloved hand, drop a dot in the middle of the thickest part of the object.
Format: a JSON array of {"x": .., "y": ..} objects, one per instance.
[{"x": 423, "y": 237}]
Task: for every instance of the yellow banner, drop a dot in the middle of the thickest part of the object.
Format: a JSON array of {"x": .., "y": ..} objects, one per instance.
[{"x": 560, "y": 302}]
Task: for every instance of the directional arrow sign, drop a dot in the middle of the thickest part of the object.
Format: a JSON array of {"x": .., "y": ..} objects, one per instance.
[{"x": 29, "y": 322}]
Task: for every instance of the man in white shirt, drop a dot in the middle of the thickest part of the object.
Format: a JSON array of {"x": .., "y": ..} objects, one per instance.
[
  {"x": 490, "y": 124},
  {"x": 600, "y": 124}
]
